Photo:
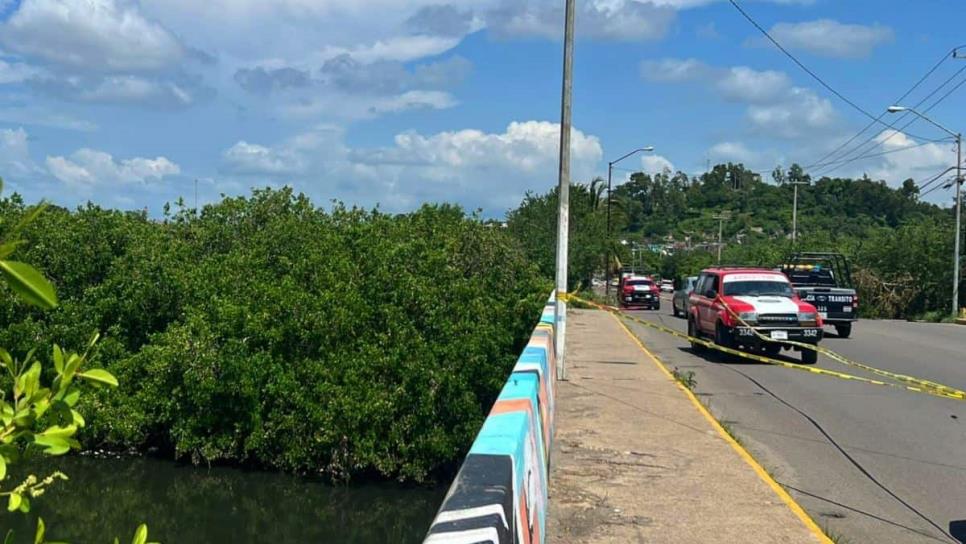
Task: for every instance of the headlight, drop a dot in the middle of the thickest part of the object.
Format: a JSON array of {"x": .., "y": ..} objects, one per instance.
[
  {"x": 807, "y": 317},
  {"x": 748, "y": 317}
]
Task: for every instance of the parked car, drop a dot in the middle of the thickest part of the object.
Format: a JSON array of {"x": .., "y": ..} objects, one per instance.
[
  {"x": 825, "y": 280},
  {"x": 730, "y": 304},
  {"x": 679, "y": 300},
  {"x": 638, "y": 291},
  {"x": 667, "y": 286}
]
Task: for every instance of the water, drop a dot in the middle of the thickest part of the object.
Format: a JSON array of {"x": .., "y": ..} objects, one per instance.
[{"x": 190, "y": 505}]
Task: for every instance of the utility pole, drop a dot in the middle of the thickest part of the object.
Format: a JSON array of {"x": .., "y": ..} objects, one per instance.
[
  {"x": 610, "y": 174},
  {"x": 795, "y": 184},
  {"x": 958, "y": 136},
  {"x": 563, "y": 190},
  {"x": 959, "y": 208},
  {"x": 721, "y": 217}
]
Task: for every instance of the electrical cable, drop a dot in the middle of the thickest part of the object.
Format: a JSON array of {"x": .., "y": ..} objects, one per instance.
[
  {"x": 806, "y": 68},
  {"x": 945, "y": 57},
  {"x": 846, "y": 454},
  {"x": 856, "y": 149}
]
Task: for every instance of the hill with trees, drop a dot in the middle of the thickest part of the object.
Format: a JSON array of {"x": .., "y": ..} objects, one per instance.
[{"x": 900, "y": 247}]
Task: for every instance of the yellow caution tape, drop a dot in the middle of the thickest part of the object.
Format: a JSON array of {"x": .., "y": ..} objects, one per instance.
[{"x": 909, "y": 383}]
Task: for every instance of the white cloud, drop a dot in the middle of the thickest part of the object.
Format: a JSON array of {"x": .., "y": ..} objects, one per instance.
[
  {"x": 472, "y": 167},
  {"x": 88, "y": 167},
  {"x": 830, "y": 38},
  {"x": 906, "y": 158},
  {"x": 655, "y": 164},
  {"x": 16, "y": 72},
  {"x": 775, "y": 106},
  {"x": 15, "y": 160},
  {"x": 734, "y": 152},
  {"x": 32, "y": 115},
  {"x": 674, "y": 70},
  {"x": 626, "y": 20},
  {"x": 745, "y": 84},
  {"x": 92, "y": 35}
]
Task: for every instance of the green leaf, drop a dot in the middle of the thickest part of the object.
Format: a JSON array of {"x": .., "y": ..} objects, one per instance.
[
  {"x": 24, "y": 505},
  {"x": 3, "y": 468},
  {"x": 29, "y": 284},
  {"x": 53, "y": 445},
  {"x": 58, "y": 431},
  {"x": 13, "y": 503},
  {"x": 99, "y": 375},
  {"x": 9, "y": 537},
  {"x": 8, "y": 248},
  {"x": 141, "y": 535},
  {"x": 8, "y": 361},
  {"x": 41, "y": 529},
  {"x": 58, "y": 359}
]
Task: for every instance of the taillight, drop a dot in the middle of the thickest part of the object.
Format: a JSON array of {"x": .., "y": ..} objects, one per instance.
[{"x": 855, "y": 301}]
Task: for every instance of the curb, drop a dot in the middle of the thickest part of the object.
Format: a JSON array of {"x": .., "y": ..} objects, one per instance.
[{"x": 745, "y": 455}]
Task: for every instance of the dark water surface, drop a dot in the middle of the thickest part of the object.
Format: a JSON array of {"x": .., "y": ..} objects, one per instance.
[{"x": 190, "y": 505}]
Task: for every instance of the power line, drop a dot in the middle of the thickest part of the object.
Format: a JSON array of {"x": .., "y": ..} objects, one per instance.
[
  {"x": 806, "y": 68},
  {"x": 901, "y": 129},
  {"x": 904, "y": 148},
  {"x": 936, "y": 66}
]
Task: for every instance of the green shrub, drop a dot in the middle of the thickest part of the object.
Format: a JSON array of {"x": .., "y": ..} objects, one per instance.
[{"x": 269, "y": 332}]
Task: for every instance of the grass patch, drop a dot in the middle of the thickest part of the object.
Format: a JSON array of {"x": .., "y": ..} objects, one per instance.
[
  {"x": 835, "y": 537},
  {"x": 685, "y": 378}
]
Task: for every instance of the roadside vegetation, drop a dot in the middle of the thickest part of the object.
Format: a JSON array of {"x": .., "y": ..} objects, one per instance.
[
  {"x": 267, "y": 332},
  {"x": 900, "y": 248}
]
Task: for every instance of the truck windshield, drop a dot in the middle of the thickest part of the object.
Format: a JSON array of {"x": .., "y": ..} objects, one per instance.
[{"x": 758, "y": 288}]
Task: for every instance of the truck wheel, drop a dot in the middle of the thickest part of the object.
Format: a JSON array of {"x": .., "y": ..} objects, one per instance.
[
  {"x": 809, "y": 357},
  {"x": 844, "y": 330},
  {"x": 772, "y": 349},
  {"x": 724, "y": 338},
  {"x": 693, "y": 333}
]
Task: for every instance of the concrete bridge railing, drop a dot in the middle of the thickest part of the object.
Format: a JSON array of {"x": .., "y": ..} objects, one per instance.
[{"x": 500, "y": 492}]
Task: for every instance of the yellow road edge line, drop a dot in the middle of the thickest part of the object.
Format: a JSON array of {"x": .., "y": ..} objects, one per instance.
[{"x": 742, "y": 452}]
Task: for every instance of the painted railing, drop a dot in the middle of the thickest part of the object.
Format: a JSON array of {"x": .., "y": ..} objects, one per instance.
[{"x": 499, "y": 495}]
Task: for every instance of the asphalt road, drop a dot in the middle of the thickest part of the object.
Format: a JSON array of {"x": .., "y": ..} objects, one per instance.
[{"x": 870, "y": 464}]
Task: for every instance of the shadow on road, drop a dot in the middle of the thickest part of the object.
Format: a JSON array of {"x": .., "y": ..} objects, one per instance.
[{"x": 957, "y": 528}]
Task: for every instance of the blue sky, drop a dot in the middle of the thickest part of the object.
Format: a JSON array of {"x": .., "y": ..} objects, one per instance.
[{"x": 397, "y": 102}]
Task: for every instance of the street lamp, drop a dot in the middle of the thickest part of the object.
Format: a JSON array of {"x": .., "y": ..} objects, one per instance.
[
  {"x": 610, "y": 174},
  {"x": 959, "y": 184}
]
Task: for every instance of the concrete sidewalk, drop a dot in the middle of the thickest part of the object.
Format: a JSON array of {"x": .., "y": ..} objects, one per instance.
[{"x": 636, "y": 460}]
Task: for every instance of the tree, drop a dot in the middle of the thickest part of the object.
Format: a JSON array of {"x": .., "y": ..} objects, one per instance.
[{"x": 36, "y": 416}]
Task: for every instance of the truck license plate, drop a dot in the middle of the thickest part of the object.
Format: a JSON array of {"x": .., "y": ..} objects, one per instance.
[
  {"x": 779, "y": 335},
  {"x": 846, "y": 309}
]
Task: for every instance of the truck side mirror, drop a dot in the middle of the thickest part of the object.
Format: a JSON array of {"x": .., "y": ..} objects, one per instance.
[{"x": 711, "y": 293}]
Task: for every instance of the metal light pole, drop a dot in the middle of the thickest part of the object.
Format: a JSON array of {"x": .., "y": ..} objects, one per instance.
[
  {"x": 563, "y": 191},
  {"x": 610, "y": 174},
  {"x": 795, "y": 210},
  {"x": 959, "y": 201},
  {"x": 721, "y": 217}
]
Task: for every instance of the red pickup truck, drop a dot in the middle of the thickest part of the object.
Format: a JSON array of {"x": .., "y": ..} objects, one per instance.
[
  {"x": 766, "y": 304},
  {"x": 639, "y": 291}
]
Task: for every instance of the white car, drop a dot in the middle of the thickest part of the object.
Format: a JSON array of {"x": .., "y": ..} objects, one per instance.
[{"x": 667, "y": 286}]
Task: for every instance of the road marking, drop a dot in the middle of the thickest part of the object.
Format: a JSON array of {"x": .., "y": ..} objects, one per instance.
[
  {"x": 921, "y": 386},
  {"x": 742, "y": 452}
]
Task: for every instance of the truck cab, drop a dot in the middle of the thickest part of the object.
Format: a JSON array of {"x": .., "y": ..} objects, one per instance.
[
  {"x": 825, "y": 281},
  {"x": 752, "y": 309}
]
